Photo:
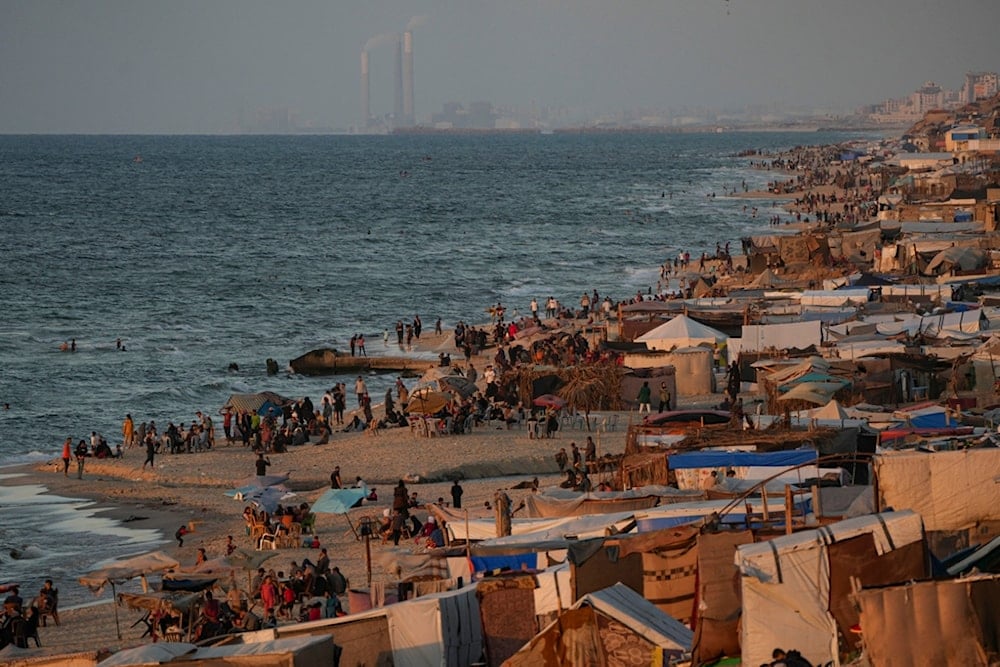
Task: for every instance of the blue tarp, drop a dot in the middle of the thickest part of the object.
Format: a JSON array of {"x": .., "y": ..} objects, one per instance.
[
  {"x": 932, "y": 420},
  {"x": 514, "y": 562},
  {"x": 709, "y": 459},
  {"x": 338, "y": 501}
]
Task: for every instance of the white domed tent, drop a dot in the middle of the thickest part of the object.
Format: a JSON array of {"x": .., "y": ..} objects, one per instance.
[{"x": 682, "y": 331}]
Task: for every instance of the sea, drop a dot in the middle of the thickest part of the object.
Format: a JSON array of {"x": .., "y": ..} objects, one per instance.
[{"x": 207, "y": 255}]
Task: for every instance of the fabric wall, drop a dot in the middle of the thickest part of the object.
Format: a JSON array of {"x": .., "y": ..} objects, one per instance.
[
  {"x": 507, "y": 609},
  {"x": 946, "y": 623},
  {"x": 950, "y": 490},
  {"x": 717, "y": 625},
  {"x": 858, "y": 559}
]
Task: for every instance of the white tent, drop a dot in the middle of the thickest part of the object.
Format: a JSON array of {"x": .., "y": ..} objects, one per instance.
[
  {"x": 293, "y": 652},
  {"x": 681, "y": 331},
  {"x": 785, "y": 585}
]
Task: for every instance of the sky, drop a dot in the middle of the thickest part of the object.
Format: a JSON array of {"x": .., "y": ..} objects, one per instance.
[{"x": 199, "y": 66}]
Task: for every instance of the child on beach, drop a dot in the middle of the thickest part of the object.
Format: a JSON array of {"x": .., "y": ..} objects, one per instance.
[{"x": 179, "y": 535}]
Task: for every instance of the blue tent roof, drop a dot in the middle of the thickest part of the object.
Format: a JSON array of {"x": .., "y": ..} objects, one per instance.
[{"x": 713, "y": 459}]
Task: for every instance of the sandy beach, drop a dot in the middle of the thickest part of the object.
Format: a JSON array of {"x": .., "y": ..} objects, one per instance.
[{"x": 189, "y": 489}]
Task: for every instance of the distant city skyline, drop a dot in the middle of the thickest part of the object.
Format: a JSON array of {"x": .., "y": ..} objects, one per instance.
[{"x": 122, "y": 66}]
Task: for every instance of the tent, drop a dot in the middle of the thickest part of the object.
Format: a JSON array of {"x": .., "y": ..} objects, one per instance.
[
  {"x": 818, "y": 393},
  {"x": 831, "y": 411},
  {"x": 260, "y": 402},
  {"x": 682, "y": 331},
  {"x": 961, "y": 258},
  {"x": 610, "y": 626},
  {"x": 795, "y": 587}
]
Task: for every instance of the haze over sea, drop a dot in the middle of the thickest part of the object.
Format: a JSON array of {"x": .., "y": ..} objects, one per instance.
[{"x": 218, "y": 250}]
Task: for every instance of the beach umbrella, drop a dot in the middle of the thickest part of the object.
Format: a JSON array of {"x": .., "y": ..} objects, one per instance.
[
  {"x": 426, "y": 401},
  {"x": 126, "y": 570},
  {"x": 267, "y": 499},
  {"x": 549, "y": 401},
  {"x": 339, "y": 501},
  {"x": 457, "y": 384}
]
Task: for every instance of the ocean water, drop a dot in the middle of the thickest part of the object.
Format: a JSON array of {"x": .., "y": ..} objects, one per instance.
[{"x": 218, "y": 250}]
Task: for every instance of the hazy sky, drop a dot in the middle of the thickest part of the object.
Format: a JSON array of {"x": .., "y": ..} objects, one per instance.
[{"x": 196, "y": 65}]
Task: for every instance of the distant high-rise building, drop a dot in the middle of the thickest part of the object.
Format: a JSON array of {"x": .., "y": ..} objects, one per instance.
[
  {"x": 397, "y": 90},
  {"x": 979, "y": 85},
  {"x": 365, "y": 98},
  {"x": 409, "y": 118}
]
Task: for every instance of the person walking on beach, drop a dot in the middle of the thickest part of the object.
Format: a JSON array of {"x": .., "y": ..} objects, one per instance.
[
  {"x": 399, "y": 333},
  {"x": 456, "y": 495},
  {"x": 417, "y": 326},
  {"x": 81, "y": 457},
  {"x": 437, "y": 327},
  {"x": 128, "y": 430},
  {"x": 354, "y": 341},
  {"x": 360, "y": 388},
  {"x": 67, "y": 454},
  {"x": 150, "y": 452}
]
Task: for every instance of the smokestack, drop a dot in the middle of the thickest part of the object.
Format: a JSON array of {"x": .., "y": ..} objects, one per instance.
[
  {"x": 408, "y": 115},
  {"x": 365, "y": 111},
  {"x": 397, "y": 89}
]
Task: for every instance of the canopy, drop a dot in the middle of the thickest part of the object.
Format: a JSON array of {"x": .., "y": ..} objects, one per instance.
[
  {"x": 130, "y": 568},
  {"x": 337, "y": 501},
  {"x": 426, "y": 401},
  {"x": 462, "y": 386},
  {"x": 259, "y": 402},
  {"x": 168, "y": 601},
  {"x": 682, "y": 331},
  {"x": 818, "y": 393},
  {"x": 267, "y": 499}
]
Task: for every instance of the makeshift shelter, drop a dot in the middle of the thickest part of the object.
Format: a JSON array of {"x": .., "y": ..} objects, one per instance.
[
  {"x": 294, "y": 652},
  {"x": 126, "y": 570},
  {"x": 612, "y": 626},
  {"x": 441, "y": 629},
  {"x": 951, "y": 623},
  {"x": 660, "y": 565},
  {"x": 951, "y": 490},
  {"x": 796, "y": 587},
  {"x": 693, "y": 370},
  {"x": 682, "y": 331},
  {"x": 717, "y": 627},
  {"x": 259, "y": 403},
  {"x": 539, "y": 505},
  {"x": 956, "y": 258},
  {"x": 504, "y": 605}
]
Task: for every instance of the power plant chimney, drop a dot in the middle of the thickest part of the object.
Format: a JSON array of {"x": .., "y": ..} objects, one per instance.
[
  {"x": 397, "y": 96},
  {"x": 365, "y": 100},
  {"x": 408, "y": 115}
]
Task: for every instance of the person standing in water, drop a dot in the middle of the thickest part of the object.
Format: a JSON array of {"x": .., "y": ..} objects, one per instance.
[{"x": 67, "y": 454}]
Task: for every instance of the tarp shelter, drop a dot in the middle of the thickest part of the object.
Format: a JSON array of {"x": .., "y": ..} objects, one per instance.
[
  {"x": 612, "y": 626},
  {"x": 952, "y": 490},
  {"x": 292, "y": 652},
  {"x": 660, "y": 565},
  {"x": 795, "y": 587},
  {"x": 953, "y": 623},
  {"x": 440, "y": 629},
  {"x": 543, "y": 505},
  {"x": 682, "y": 331},
  {"x": 956, "y": 258},
  {"x": 258, "y": 403},
  {"x": 817, "y": 393},
  {"x": 785, "y": 336}
]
